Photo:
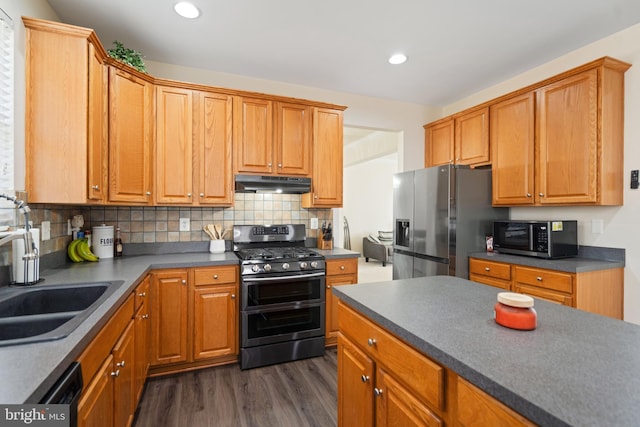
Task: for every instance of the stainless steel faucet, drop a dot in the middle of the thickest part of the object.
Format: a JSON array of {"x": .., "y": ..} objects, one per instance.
[{"x": 30, "y": 249}]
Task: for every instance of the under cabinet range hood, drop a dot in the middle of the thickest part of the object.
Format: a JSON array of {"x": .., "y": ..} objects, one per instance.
[{"x": 272, "y": 184}]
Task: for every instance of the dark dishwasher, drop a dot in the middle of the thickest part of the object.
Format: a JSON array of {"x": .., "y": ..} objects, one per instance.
[{"x": 66, "y": 391}]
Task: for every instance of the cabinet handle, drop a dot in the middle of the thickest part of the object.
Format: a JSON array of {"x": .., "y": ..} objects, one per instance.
[
  {"x": 145, "y": 316},
  {"x": 215, "y": 276},
  {"x": 315, "y": 196},
  {"x": 541, "y": 194},
  {"x": 233, "y": 296},
  {"x": 365, "y": 378},
  {"x": 148, "y": 193},
  {"x": 269, "y": 165},
  {"x": 116, "y": 373},
  {"x": 188, "y": 194},
  {"x": 120, "y": 364},
  {"x": 142, "y": 294},
  {"x": 95, "y": 187},
  {"x": 528, "y": 194},
  {"x": 184, "y": 282},
  {"x": 371, "y": 342},
  {"x": 328, "y": 286},
  {"x": 280, "y": 165},
  {"x": 487, "y": 269},
  {"x": 539, "y": 279},
  {"x": 377, "y": 391},
  {"x": 201, "y": 194},
  {"x": 342, "y": 267}
]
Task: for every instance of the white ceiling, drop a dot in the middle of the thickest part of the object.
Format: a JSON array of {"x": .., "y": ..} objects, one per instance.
[{"x": 455, "y": 47}]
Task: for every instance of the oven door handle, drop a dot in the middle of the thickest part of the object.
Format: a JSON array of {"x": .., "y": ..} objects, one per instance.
[{"x": 282, "y": 278}]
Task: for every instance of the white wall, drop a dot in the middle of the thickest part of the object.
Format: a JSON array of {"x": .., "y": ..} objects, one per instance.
[{"x": 621, "y": 228}]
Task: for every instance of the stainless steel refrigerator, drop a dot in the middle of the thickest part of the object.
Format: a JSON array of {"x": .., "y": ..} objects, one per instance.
[{"x": 441, "y": 214}]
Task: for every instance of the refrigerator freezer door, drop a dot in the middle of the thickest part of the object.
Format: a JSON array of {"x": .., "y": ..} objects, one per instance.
[
  {"x": 431, "y": 211},
  {"x": 402, "y": 266}
]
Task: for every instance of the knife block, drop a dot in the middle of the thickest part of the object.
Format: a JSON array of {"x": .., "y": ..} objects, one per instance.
[{"x": 324, "y": 244}]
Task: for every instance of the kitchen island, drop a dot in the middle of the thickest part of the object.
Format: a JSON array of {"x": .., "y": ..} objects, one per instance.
[{"x": 575, "y": 368}]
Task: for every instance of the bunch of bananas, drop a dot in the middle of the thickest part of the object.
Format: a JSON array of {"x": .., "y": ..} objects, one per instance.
[{"x": 78, "y": 251}]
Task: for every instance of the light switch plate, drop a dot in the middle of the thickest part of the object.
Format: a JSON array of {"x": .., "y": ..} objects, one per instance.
[
  {"x": 314, "y": 224},
  {"x": 45, "y": 230},
  {"x": 185, "y": 224}
]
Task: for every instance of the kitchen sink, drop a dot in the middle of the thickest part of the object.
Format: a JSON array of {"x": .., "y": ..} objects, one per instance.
[{"x": 48, "y": 312}]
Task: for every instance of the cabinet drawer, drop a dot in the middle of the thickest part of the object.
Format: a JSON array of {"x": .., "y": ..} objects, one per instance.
[
  {"x": 496, "y": 270},
  {"x": 423, "y": 376},
  {"x": 544, "y": 294},
  {"x": 215, "y": 275},
  {"x": 342, "y": 266},
  {"x": 485, "y": 280},
  {"x": 553, "y": 280}
]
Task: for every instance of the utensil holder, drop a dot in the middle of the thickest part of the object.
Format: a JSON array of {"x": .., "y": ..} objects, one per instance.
[
  {"x": 324, "y": 244},
  {"x": 216, "y": 246}
]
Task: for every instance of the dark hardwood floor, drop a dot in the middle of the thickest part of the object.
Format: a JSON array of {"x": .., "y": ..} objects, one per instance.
[{"x": 296, "y": 394}]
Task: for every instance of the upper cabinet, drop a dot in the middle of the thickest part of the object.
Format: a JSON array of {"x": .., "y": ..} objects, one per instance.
[
  {"x": 326, "y": 183},
  {"x": 130, "y": 137},
  {"x": 562, "y": 143},
  {"x": 65, "y": 114},
  {"x": 462, "y": 139},
  {"x": 272, "y": 138}
]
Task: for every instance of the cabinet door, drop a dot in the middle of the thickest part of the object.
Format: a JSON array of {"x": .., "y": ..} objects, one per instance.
[
  {"x": 472, "y": 138},
  {"x": 567, "y": 165},
  {"x": 215, "y": 320},
  {"x": 123, "y": 383},
  {"x": 355, "y": 386},
  {"x": 142, "y": 327},
  {"x": 173, "y": 167},
  {"x": 95, "y": 407},
  {"x": 254, "y": 135},
  {"x": 169, "y": 313},
  {"x": 97, "y": 126},
  {"x": 396, "y": 405},
  {"x": 293, "y": 139},
  {"x": 327, "y": 160},
  {"x": 130, "y": 135},
  {"x": 512, "y": 150},
  {"x": 214, "y": 129},
  {"x": 331, "y": 305},
  {"x": 438, "y": 144}
]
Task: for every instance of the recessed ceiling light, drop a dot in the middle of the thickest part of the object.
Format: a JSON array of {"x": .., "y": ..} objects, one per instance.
[
  {"x": 398, "y": 58},
  {"x": 186, "y": 10}
]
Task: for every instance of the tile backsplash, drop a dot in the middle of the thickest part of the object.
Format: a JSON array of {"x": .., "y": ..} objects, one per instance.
[{"x": 162, "y": 224}]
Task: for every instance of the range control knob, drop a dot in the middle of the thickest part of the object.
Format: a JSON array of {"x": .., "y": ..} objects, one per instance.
[
  {"x": 303, "y": 265},
  {"x": 255, "y": 268},
  {"x": 267, "y": 267},
  {"x": 285, "y": 266},
  {"x": 314, "y": 264}
]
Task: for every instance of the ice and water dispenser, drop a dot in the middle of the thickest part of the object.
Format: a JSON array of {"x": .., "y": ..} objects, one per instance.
[{"x": 402, "y": 233}]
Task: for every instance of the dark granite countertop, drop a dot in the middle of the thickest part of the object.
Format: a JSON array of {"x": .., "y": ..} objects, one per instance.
[
  {"x": 337, "y": 253},
  {"x": 575, "y": 369},
  {"x": 568, "y": 265}
]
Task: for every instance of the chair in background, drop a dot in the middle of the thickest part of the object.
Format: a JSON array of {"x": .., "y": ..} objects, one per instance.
[{"x": 378, "y": 247}]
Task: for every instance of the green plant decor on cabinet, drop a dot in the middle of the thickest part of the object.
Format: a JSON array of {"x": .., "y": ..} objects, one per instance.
[{"x": 127, "y": 56}]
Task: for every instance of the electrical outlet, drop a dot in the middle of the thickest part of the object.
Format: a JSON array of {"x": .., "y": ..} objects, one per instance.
[
  {"x": 314, "y": 224},
  {"x": 45, "y": 230},
  {"x": 185, "y": 224}
]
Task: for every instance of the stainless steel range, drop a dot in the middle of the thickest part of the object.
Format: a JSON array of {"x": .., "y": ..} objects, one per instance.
[{"x": 282, "y": 309}]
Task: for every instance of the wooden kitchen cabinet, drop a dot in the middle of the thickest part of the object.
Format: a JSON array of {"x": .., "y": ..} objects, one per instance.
[
  {"x": 65, "y": 84},
  {"x": 142, "y": 325},
  {"x": 174, "y": 146},
  {"x": 562, "y": 142},
  {"x": 355, "y": 385},
  {"x": 599, "y": 291},
  {"x": 124, "y": 403},
  {"x": 343, "y": 271},
  {"x": 95, "y": 407},
  {"x": 326, "y": 185},
  {"x": 131, "y": 126},
  {"x": 253, "y": 147},
  {"x": 438, "y": 143},
  {"x": 462, "y": 139},
  {"x": 194, "y": 318},
  {"x": 293, "y": 139}
]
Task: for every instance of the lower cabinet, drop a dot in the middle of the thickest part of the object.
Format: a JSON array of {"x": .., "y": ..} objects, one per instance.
[
  {"x": 383, "y": 381},
  {"x": 194, "y": 318},
  {"x": 599, "y": 291},
  {"x": 342, "y": 271},
  {"x": 142, "y": 326}
]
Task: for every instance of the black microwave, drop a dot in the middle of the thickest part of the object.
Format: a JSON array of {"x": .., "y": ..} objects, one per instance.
[{"x": 542, "y": 239}]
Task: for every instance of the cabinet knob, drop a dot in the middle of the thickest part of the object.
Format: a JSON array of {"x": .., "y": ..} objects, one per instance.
[
  {"x": 280, "y": 165},
  {"x": 377, "y": 391},
  {"x": 148, "y": 193},
  {"x": 116, "y": 373},
  {"x": 315, "y": 196},
  {"x": 215, "y": 276},
  {"x": 120, "y": 364},
  {"x": 201, "y": 194},
  {"x": 528, "y": 194},
  {"x": 539, "y": 279},
  {"x": 342, "y": 267},
  {"x": 188, "y": 194},
  {"x": 95, "y": 187},
  {"x": 233, "y": 296},
  {"x": 487, "y": 269},
  {"x": 371, "y": 342},
  {"x": 541, "y": 194},
  {"x": 328, "y": 286},
  {"x": 365, "y": 378},
  {"x": 269, "y": 165},
  {"x": 145, "y": 316},
  {"x": 184, "y": 282},
  {"x": 142, "y": 294}
]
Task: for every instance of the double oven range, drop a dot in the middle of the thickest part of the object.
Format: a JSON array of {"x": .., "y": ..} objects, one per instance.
[{"x": 282, "y": 304}]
